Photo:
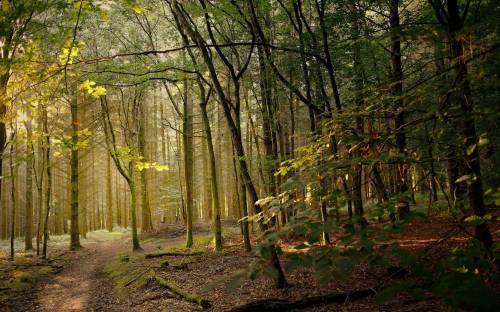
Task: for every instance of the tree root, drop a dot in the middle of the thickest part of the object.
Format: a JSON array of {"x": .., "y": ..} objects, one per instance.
[
  {"x": 173, "y": 254},
  {"x": 280, "y": 305}
]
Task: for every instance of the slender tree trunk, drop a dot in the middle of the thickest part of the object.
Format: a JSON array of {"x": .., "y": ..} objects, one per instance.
[
  {"x": 48, "y": 190},
  {"x": 187, "y": 143},
  {"x": 74, "y": 164},
  {"x": 457, "y": 191},
  {"x": 118, "y": 202},
  {"x": 472, "y": 159},
  {"x": 147, "y": 223},
  {"x": 109, "y": 195},
  {"x": 4, "y": 80},
  {"x": 402, "y": 206},
  {"x": 133, "y": 208},
  {"x": 28, "y": 244},
  {"x": 40, "y": 184},
  {"x": 359, "y": 81},
  {"x": 216, "y": 211},
  {"x": 454, "y": 24},
  {"x": 472, "y": 165},
  {"x": 12, "y": 198}
]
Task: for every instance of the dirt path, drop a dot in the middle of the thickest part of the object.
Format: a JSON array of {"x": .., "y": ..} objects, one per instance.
[{"x": 83, "y": 286}]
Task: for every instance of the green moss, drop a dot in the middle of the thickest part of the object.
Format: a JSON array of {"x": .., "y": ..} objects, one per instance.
[
  {"x": 23, "y": 276},
  {"x": 21, "y": 279},
  {"x": 126, "y": 276},
  {"x": 202, "y": 241}
]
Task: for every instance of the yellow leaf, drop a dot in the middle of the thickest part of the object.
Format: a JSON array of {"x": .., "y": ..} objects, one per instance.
[
  {"x": 483, "y": 140},
  {"x": 87, "y": 85},
  {"x": 99, "y": 91},
  {"x": 138, "y": 8},
  {"x": 104, "y": 16}
]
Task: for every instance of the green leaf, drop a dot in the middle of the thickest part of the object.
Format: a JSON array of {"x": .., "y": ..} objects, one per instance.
[
  {"x": 302, "y": 246},
  {"x": 471, "y": 149},
  {"x": 265, "y": 252},
  {"x": 463, "y": 178}
]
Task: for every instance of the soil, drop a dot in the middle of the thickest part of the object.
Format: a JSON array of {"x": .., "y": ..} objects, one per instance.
[{"x": 81, "y": 286}]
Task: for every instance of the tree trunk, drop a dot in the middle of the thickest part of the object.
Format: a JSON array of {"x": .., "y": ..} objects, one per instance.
[
  {"x": 454, "y": 24},
  {"x": 402, "y": 206},
  {"x": 28, "y": 236},
  {"x": 216, "y": 211},
  {"x": 133, "y": 207},
  {"x": 109, "y": 195},
  {"x": 4, "y": 80},
  {"x": 472, "y": 164},
  {"x": 48, "y": 190},
  {"x": 147, "y": 223},
  {"x": 187, "y": 144},
  {"x": 74, "y": 163},
  {"x": 357, "y": 193},
  {"x": 12, "y": 198}
]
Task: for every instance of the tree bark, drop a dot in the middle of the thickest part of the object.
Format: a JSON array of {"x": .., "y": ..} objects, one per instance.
[
  {"x": 12, "y": 197},
  {"x": 109, "y": 195},
  {"x": 28, "y": 236},
  {"x": 187, "y": 144},
  {"x": 74, "y": 163},
  {"x": 403, "y": 205},
  {"x": 48, "y": 190},
  {"x": 216, "y": 212},
  {"x": 147, "y": 223}
]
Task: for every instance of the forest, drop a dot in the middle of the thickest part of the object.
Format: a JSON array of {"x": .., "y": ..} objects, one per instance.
[{"x": 249, "y": 155}]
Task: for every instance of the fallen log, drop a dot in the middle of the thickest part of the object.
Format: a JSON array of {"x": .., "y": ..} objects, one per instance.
[
  {"x": 191, "y": 297},
  {"x": 172, "y": 254},
  {"x": 281, "y": 305}
]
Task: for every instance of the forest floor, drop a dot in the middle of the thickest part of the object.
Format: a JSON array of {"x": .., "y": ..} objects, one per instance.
[{"x": 106, "y": 276}]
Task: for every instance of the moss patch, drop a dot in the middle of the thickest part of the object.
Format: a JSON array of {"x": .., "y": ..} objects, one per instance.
[{"x": 126, "y": 274}]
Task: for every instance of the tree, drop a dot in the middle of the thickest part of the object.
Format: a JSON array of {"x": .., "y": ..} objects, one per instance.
[{"x": 453, "y": 21}]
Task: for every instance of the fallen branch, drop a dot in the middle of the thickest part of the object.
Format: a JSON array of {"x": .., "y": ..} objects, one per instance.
[
  {"x": 170, "y": 253},
  {"x": 202, "y": 302},
  {"x": 151, "y": 298},
  {"x": 280, "y": 305}
]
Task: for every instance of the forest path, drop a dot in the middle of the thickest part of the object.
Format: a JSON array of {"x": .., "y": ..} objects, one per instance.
[{"x": 83, "y": 286}]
